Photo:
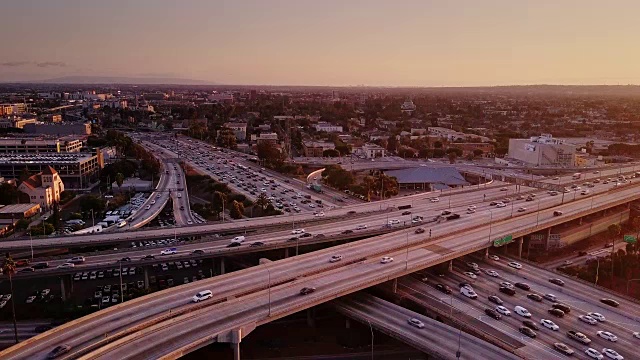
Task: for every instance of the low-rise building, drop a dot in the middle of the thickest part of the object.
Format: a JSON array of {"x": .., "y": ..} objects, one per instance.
[
  {"x": 326, "y": 127},
  {"x": 370, "y": 151},
  {"x": 19, "y": 211},
  {"x": 18, "y": 122},
  {"x": 58, "y": 129},
  {"x": 542, "y": 150},
  {"x": 38, "y": 145},
  {"x": 43, "y": 188},
  {"x": 271, "y": 138},
  {"x": 316, "y": 148},
  {"x": 239, "y": 129}
]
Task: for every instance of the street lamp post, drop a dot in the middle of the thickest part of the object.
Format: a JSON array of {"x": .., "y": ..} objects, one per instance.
[
  {"x": 538, "y": 214},
  {"x": 490, "y": 223},
  {"x": 371, "y": 328}
]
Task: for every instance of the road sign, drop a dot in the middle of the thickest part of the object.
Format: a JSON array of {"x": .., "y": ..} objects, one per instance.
[
  {"x": 503, "y": 240},
  {"x": 630, "y": 239}
]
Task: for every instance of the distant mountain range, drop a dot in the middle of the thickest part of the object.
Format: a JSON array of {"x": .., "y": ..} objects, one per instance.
[{"x": 120, "y": 80}]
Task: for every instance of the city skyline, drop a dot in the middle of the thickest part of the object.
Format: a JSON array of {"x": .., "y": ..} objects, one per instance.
[{"x": 401, "y": 43}]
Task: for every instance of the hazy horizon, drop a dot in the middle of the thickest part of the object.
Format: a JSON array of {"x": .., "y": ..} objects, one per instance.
[{"x": 406, "y": 43}]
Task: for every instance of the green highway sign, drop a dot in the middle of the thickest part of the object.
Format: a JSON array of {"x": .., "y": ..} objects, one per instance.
[
  {"x": 630, "y": 239},
  {"x": 503, "y": 240}
]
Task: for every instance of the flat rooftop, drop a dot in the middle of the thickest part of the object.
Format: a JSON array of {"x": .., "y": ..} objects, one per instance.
[
  {"x": 48, "y": 158},
  {"x": 16, "y": 208}
]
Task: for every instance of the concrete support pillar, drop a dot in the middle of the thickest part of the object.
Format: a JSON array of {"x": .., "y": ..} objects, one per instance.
[
  {"x": 221, "y": 266},
  {"x": 286, "y": 253},
  {"x": 520, "y": 243},
  {"x": 394, "y": 285},
  {"x": 62, "y": 289},
  {"x": 236, "y": 351},
  {"x": 236, "y": 338},
  {"x": 146, "y": 276},
  {"x": 486, "y": 253},
  {"x": 311, "y": 317},
  {"x": 347, "y": 323},
  {"x": 450, "y": 265}
]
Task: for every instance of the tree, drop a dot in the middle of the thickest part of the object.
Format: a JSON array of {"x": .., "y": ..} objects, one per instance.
[
  {"x": 9, "y": 269},
  {"x": 227, "y": 138},
  {"x": 218, "y": 203},
  {"x": 262, "y": 201},
  {"x": 437, "y": 144},
  {"x": 331, "y": 153},
  {"x": 8, "y": 194},
  {"x": 236, "y": 211},
  {"x": 22, "y": 224},
  {"x": 270, "y": 155},
  {"x": 477, "y": 152},
  {"x": 119, "y": 179},
  {"x": 452, "y": 157},
  {"x": 337, "y": 177}
]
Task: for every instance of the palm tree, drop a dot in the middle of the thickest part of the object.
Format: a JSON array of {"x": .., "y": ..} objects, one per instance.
[
  {"x": 9, "y": 268},
  {"x": 262, "y": 201}
]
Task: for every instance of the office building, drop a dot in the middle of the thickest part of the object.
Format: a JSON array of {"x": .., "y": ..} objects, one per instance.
[
  {"x": 36, "y": 145},
  {"x": 542, "y": 150},
  {"x": 239, "y": 129},
  {"x": 76, "y": 170},
  {"x": 58, "y": 129},
  {"x": 326, "y": 127},
  {"x": 316, "y": 148},
  {"x": 16, "y": 122}
]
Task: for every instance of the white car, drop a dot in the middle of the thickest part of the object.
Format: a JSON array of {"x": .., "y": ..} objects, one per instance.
[
  {"x": 503, "y": 310},
  {"x": 434, "y": 200},
  {"x": 522, "y": 311},
  {"x": 386, "y": 260},
  {"x": 189, "y": 222},
  {"x": 612, "y": 354},
  {"x": 320, "y": 214},
  {"x": 468, "y": 292},
  {"x": 66, "y": 265},
  {"x": 471, "y": 207},
  {"x": 297, "y": 231},
  {"x": 549, "y": 324},
  {"x": 593, "y": 353},
  {"x": 147, "y": 207},
  {"x": 170, "y": 251},
  {"x": 470, "y": 211},
  {"x": 501, "y": 205},
  {"x": 122, "y": 224},
  {"x": 202, "y": 295},
  {"x": 394, "y": 222},
  {"x": 492, "y": 273},
  {"x": 335, "y": 258},
  {"x": 494, "y": 257},
  {"x": 416, "y": 323},
  {"x": 597, "y": 316},
  {"x": 471, "y": 275},
  {"x": 507, "y": 285},
  {"x": 361, "y": 227},
  {"x": 550, "y": 297},
  {"x": 607, "y": 336},
  {"x": 30, "y": 299},
  {"x": 515, "y": 265},
  {"x": 522, "y": 209},
  {"x": 636, "y": 335},
  {"x": 588, "y": 319}
]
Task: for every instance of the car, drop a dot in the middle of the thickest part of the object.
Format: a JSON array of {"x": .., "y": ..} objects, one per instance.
[
  {"x": 386, "y": 259},
  {"x": 234, "y": 244},
  {"x": 307, "y": 290},
  {"x": 535, "y": 297},
  {"x": 30, "y": 299},
  {"x": 636, "y": 335},
  {"x": 443, "y": 288},
  {"x": 434, "y": 200},
  {"x": 468, "y": 292},
  {"x": 561, "y": 347},
  {"x": 557, "y": 213},
  {"x": 319, "y": 214},
  {"x": 610, "y": 302},
  {"x": 508, "y": 291},
  {"x": 503, "y": 310},
  {"x": 419, "y": 231},
  {"x": 501, "y": 204},
  {"x": 588, "y": 319},
  {"x": 393, "y": 222},
  {"x": 597, "y": 316},
  {"x": 335, "y": 258},
  {"x": 607, "y": 336},
  {"x": 416, "y": 323},
  {"x": 594, "y": 354},
  {"x": 256, "y": 244},
  {"x": 530, "y": 324},
  {"x": 492, "y": 273},
  {"x": 472, "y": 265},
  {"x": 564, "y": 307},
  {"x": 503, "y": 189},
  {"x": 550, "y": 297},
  {"x": 578, "y": 336},
  {"x": 42, "y": 265},
  {"x": 202, "y": 295},
  {"x": 496, "y": 300},
  {"x": 471, "y": 207},
  {"x": 238, "y": 239},
  {"x": 556, "y": 281},
  {"x": 58, "y": 351},
  {"x": 125, "y": 259},
  {"x": 106, "y": 299},
  {"x": 361, "y": 227},
  {"x": 549, "y": 324},
  {"x": 471, "y": 275},
  {"x": 515, "y": 265},
  {"x": 556, "y": 312},
  {"x": 122, "y": 223},
  {"x": 523, "y": 286},
  {"x": 67, "y": 265},
  {"x": 406, "y": 213},
  {"x": 527, "y": 331},
  {"x": 77, "y": 260},
  {"x": 494, "y": 257},
  {"x": 297, "y": 231},
  {"x": 522, "y": 209},
  {"x": 471, "y": 211},
  {"x": 170, "y": 251},
  {"x": 492, "y": 313},
  {"x": 612, "y": 354},
  {"x": 522, "y": 311},
  {"x": 27, "y": 269}
]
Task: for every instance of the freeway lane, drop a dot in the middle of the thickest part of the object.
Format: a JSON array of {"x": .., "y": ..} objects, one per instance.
[
  {"x": 251, "y": 280},
  {"x": 436, "y": 338}
]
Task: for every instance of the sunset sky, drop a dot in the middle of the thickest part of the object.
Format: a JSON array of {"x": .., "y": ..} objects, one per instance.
[{"x": 326, "y": 42}]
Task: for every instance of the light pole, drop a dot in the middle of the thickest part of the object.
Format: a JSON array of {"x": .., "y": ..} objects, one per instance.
[
  {"x": 93, "y": 219},
  {"x": 490, "y": 223},
  {"x": 121, "y": 290},
  {"x": 31, "y": 244},
  {"x": 538, "y": 214},
  {"x": 371, "y": 328}
]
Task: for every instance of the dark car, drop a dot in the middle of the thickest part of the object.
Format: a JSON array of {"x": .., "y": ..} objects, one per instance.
[
  {"x": 198, "y": 251},
  {"x": 523, "y": 286},
  {"x": 295, "y": 238},
  {"x": 59, "y": 350},
  {"x": 527, "y": 331},
  {"x": 610, "y": 302},
  {"x": 535, "y": 297},
  {"x": 257, "y": 243},
  {"x": 125, "y": 259},
  {"x": 234, "y": 244},
  {"x": 556, "y": 312},
  {"x": 306, "y": 235},
  {"x": 492, "y": 313},
  {"x": 419, "y": 231},
  {"x": 42, "y": 328},
  {"x": 564, "y": 307},
  {"x": 307, "y": 290},
  {"x": 406, "y": 213},
  {"x": 453, "y": 217},
  {"x": 350, "y": 212},
  {"x": 530, "y": 324},
  {"x": 493, "y": 203},
  {"x": 563, "y": 349},
  {"x": 346, "y": 232},
  {"x": 496, "y": 300},
  {"x": 42, "y": 265},
  {"x": 27, "y": 269},
  {"x": 557, "y": 282},
  {"x": 444, "y": 288},
  {"x": 147, "y": 257},
  {"x": 508, "y": 291}
]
